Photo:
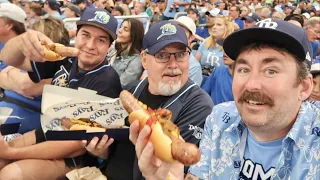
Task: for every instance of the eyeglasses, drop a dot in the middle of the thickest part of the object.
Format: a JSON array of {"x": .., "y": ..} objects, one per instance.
[{"x": 164, "y": 57}]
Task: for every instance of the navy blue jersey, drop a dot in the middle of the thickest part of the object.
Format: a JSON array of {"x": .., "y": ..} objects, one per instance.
[{"x": 103, "y": 79}]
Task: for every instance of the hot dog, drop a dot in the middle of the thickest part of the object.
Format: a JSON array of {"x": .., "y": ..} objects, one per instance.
[
  {"x": 165, "y": 136},
  {"x": 56, "y": 52},
  {"x": 81, "y": 124}
]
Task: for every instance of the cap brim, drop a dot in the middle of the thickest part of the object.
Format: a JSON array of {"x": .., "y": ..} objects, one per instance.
[
  {"x": 237, "y": 40},
  {"x": 158, "y": 46},
  {"x": 247, "y": 18},
  {"x": 112, "y": 34},
  {"x": 315, "y": 72}
]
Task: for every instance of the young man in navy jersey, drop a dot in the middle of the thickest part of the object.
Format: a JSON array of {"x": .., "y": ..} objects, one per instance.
[{"x": 96, "y": 31}]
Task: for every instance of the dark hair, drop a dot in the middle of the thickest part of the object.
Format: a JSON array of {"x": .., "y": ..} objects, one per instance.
[
  {"x": 17, "y": 27},
  {"x": 136, "y": 38},
  {"x": 37, "y": 9},
  {"x": 295, "y": 17},
  {"x": 302, "y": 70},
  {"x": 237, "y": 8}
]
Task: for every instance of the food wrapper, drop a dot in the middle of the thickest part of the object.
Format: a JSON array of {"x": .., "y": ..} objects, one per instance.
[
  {"x": 60, "y": 102},
  {"x": 86, "y": 173},
  {"x": 4, "y": 114}
]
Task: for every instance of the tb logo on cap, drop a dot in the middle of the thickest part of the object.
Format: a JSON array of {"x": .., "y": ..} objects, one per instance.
[
  {"x": 267, "y": 23},
  {"x": 101, "y": 17},
  {"x": 167, "y": 29}
]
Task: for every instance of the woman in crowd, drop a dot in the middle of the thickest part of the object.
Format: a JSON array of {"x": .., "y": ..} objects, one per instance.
[
  {"x": 72, "y": 11},
  {"x": 125, "y": 54},
  {"x": 35, "y": 14},
  {"x": 210, "y": 54},
  {"x": 245, "y": 11}
]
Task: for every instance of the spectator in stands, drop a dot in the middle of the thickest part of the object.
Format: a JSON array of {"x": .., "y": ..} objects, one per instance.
[
  {"x": 269, "y": 131},
  {"x": 165, "y": 54},
  {"x": 245, "y": 11},
  {"x": 265, "y": 13},
  {"x": 210, "y": 54},
  {"x": 72, "y": 11},
  {"x": 82, "y": 4},
  {"x": 313, "y": 31},
  {"x": 23, "y": 95},
  {"x": 100, "y": 4},
  {"x": 204, "y": 32},
  {"x": 89, "y": 70},
  {"x": 126, "y": 10},
  {"x": 219, "y": 84},
  {"x": 170, "y": 12},
  {"x": 157, "y": 15},
  {"x": 235, "y": 14},
  {"x": 118, "y": 11},
  {"x": 140, "y": 9},
  {"x": 193, "y": 13},
  {"x": 35, "y": 14},
  {"x": 251, "y": 20},
  {"x": 295, "y": 19},
  {"x": 125, "y": 54},
  {"x": 53, "y": 9},
  {"x": 278, "y": 15},
  {"x": 315, "y": 71},
  {"x": 90, "y": 4}
]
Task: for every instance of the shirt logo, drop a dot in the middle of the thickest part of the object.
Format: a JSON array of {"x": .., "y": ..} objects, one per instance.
[
  {"x": 267, "y": 23},
  {"x": 61, "y": 77},
  {"x": 167, "y": 29},
  {"x": 197, "y": 132},
  {"x": 101, "y": 17}
]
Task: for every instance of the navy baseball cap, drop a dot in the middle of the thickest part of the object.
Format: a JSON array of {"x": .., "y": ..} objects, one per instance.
[
  {"x": 162, "y": 34},
  {"x": 251, "y": 18},
  {"x": 100, "y": 18},
  {"x": 279, "y": 32}
]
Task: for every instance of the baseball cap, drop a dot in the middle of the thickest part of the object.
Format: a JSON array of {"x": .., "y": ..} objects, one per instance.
[
  {"x": 13, "y": 12},
  {"x": 193, "y": 9},
  {"x": 252, "y": 17},
  {"x": 187, "y": 23},
  {"x": 53, "y": 4},
  {"x": 315, "y": 67},
  {"x": 75, "y": 9},
  {"x": 100, "y": 18},
  {"x": 306, "y": 15},
  {"x": 163, "y": 34},
  {"x": 213, "y": 12},
  {"x": 283, "y": 33}
]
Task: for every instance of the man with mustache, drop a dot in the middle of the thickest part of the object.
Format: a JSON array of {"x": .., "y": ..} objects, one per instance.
[
  {"x": 166, "y": 57},
  {"x": 270, "y": 131},
  {"x": 26, "y": 156}
]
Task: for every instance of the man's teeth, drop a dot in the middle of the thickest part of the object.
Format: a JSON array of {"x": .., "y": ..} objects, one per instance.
[{"x": 254, "y": 102}]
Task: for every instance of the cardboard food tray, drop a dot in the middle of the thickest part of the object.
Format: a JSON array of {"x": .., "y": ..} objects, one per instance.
[
  {"x": 6, "y": 129},
  {"x": 60, "y": 102}
]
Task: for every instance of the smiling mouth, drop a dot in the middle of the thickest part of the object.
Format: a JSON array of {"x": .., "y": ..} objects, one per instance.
[
  {"x": 88, "y": 53},
  {"x": 254, "y": 102}
]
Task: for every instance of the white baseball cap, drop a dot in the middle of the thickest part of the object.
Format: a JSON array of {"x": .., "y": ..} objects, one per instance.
[
  {"x": 214, "y": 12},
  {"x": 187, "y": 23},
  {"x": 13, "y": 12},
  {"x": 306, "y": 15}
]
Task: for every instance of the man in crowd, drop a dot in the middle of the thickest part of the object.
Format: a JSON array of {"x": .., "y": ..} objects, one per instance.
[
  {"x": 96, "y": 31},
  {"x": 313, "y": 31},
  {"x": 235, "y": 14},
  {"x": 270, "y": 116},
  {"x": 140, "y": 9},
  {"x": 166, "y": 57},
  {"x": 250, "y": 20}
]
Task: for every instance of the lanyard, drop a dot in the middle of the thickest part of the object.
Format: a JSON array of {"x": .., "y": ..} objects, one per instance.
[{"x": 242, "y": 148}]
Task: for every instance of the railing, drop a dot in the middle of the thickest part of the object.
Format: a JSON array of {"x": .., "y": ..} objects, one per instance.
[{"x": 117, "y": 17}]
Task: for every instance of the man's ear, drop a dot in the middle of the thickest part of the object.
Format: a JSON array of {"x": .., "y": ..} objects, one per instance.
[
  {"x": 8, "y": 26},
  {"x": 144, "y": 60},
  {"x": 307, "y": 87}
]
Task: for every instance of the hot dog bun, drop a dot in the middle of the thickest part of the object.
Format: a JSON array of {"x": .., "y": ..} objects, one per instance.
[
  {"x": 165, "y": 136},
  {"x": 56, "y": 52}
]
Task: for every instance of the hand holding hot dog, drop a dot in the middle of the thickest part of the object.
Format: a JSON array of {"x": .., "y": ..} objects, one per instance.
[
  {"x": 38, "y": 47},
  {"x": 165, "y": 137},
  {"x": 150, "y": 166}
]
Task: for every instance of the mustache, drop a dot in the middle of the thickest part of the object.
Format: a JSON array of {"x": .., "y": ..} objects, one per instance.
[
  {"x": 172, "y": 72},
  {"x": 256, "y": 96}
]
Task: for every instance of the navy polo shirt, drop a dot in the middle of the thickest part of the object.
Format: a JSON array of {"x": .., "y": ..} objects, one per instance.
[{"x": 103, "y": 79}]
